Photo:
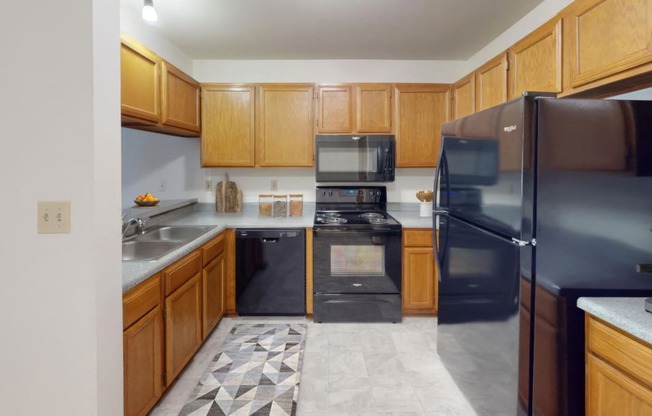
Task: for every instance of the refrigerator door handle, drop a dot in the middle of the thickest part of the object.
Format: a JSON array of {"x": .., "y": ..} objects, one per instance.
[{"x": 522, "y": 243}]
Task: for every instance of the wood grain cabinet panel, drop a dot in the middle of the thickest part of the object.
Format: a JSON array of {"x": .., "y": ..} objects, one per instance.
[
  {"x": 143, "y": 363},
  {"x": 535, "y": 61},
  {"x": 491, "y": 83},
  {"x": 335, "y": 109},
  {"x": 354, "y": 108},
  {"x": 419, "y": 273},
  {"x": 373, "y": 108},
  {"x": 140, "y": 75},
  {"x": 285, "y": 125},
  {"x": 213, "y": 293},
  {"x": 607, "y": 37},
  {"x": 421, "y": 109},
  {"x": 228, "y": 129},
  {"x": 183, "y": 329},
  {"x": 180, "y": 93},
  {"x": 618, "y": 372},
  {"x": 464, "y": 97}
]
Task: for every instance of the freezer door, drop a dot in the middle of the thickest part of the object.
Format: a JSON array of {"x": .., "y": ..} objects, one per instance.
[
  {"x": 484, "y": 156},
  {"x": 480, "y": 337}
]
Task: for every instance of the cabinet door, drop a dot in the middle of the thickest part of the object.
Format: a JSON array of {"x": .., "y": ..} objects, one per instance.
[
  {"x": 421, "y": 109},
  {"x": 535, "y": 61},
  {"x": 180, "y": 104},
  {"x": 213, "y": 294},
  {"x": 491, "y": 83},
  {"x": 419, "y": 273},
  {"x": 373, "y": 108},
  {"x": 610, "y": 392},
  {"x": 227, "y": 121},
  {"x": 285, "y": 126},
  {"x": 140, "y": 74},
  {"x": 335, "y": 109},
  {"x": 183, "y": 331},
  {"x": 143, "y": 363},
  {"x": 464, "y": 97},
  {"x": 607, "y": 37}
]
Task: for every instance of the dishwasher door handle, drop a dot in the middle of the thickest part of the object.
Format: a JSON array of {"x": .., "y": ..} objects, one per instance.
[{"x": 269, "y": 240}]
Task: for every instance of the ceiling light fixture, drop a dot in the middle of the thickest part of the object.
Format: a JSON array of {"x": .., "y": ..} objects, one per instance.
[{"x": 149, "y": 13}]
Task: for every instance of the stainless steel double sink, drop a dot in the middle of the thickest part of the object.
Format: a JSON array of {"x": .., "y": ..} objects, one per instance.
[{"x": 159, "y": 241}]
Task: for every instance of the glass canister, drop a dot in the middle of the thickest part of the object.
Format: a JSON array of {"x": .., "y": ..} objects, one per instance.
[
  {"x": 265, "y": 203},
  {"x": 296, "y": 205},
  {"x": 280, "y": 206}
]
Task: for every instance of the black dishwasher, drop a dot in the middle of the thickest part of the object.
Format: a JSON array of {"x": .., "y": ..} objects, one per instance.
[{"x": 270, "y": 271}]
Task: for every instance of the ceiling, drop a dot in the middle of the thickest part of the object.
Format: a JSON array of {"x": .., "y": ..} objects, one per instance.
[{"x": 334, "y": 29}]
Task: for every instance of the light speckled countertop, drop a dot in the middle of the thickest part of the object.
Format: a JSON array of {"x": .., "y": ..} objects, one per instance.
[
  {"x": 628, "y": 314},
  {"x": 188, "y": 212}
]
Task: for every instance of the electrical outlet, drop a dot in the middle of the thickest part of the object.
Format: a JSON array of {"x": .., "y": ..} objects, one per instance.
[
  {"x": 53, "y": 217},
  {"x": 163, "y": 186},
  {"x": 208, "y": 185},
  {"x": 274, "y": 184}
]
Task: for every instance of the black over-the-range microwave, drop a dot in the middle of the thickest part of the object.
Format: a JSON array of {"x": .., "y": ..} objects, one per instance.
[{"x": 354, "y": 158}]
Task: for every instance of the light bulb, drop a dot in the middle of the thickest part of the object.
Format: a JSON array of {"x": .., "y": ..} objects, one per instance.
[{"x": 149, "y": 13}]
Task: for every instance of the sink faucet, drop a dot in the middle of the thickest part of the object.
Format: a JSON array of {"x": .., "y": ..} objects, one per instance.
[{"x": 140, "y": 225}]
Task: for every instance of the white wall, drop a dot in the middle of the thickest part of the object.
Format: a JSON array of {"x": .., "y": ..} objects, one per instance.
[
  {"x": 326, "y": 71},
  {"x": 133, "y": 24},
  {"x": 60, "y": 303}
]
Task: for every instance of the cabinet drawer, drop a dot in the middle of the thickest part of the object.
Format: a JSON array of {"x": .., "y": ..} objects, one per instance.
[
  {"x": 632, "y": 356},
  {"x": 180, "y": 272},
  {"x": 140, "y": 300},
  {"x": 417, "y": 238},
  {"x": 213, "y": 249}
]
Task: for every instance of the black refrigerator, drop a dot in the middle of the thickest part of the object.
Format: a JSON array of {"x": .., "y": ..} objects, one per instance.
[{"x": 539, "y": 201}]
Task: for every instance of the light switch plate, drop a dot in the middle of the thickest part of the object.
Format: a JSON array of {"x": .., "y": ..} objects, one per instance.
[{"x": 53, "y": 217}]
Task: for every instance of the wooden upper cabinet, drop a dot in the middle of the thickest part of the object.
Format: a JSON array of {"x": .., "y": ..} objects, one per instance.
[
  {"x": 140, "y": 74},
  {"x": 373, "y": 108},
  {"x": 535, "y": 61},
  {"x": 227, "y": 120},
  {"x": 606, "y": 37},
  {"x": 491, "y": 83},
  {"x": 285, "y": 125},
  {"x": 180, "y": 104},
  {"x": 354, "y": 108},
  {"x": 464, "y": 97},
  {"x": 421, "y": 109},
  {"x": 335, "y": 109}
]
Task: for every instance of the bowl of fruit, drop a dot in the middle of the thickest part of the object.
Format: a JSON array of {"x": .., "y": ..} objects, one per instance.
[{"x": 147, "y": 200}]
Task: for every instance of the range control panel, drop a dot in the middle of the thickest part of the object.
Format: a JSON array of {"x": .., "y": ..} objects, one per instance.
[{"x": 351, "y": 194}]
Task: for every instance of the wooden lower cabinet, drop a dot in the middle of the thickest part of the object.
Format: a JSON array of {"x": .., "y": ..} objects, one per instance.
[
  {"x": 419, "y": 273},
  {"x": 166, "y": 318},
  {"x": 183, "y": 330},
  {"x": 143, "y": 363},
  {"x": 142, "y": 347},
  {"x": 618, "y": 372}
]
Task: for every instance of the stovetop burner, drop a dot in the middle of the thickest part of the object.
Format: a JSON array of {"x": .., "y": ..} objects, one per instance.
[
  {"x": 328, "y": 219},
  {"x": 378, "y": 221},
  {"x": 370, "y": 215}
]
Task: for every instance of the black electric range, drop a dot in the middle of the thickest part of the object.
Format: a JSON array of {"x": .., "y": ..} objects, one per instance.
[{"x": 357, "y": 256}]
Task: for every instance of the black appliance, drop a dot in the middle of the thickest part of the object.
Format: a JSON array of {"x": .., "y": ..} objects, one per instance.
[
  {"x": 540, "y": 201},
  {"x": 347, "y": 158},
  {"x": 356, "y": 256},
  {"x": 270, "y": 271}
]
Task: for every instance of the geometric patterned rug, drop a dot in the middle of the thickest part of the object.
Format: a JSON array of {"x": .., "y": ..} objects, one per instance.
[{"x": 257, "y": 373}]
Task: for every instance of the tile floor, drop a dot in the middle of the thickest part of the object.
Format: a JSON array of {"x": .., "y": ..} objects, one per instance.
[{"x": 352, "y": 369}]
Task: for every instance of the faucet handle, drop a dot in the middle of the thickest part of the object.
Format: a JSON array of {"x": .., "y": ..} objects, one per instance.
[{"x": 141, "y": 224}]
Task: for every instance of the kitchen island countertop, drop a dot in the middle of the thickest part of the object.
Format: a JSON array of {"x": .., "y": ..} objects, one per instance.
[
  {"x": 191, "y": 213},
  {"x": 627, "y": 314}
]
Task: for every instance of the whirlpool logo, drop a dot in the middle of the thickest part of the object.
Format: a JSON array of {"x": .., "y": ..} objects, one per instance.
[{"x": 509, "y": 129}]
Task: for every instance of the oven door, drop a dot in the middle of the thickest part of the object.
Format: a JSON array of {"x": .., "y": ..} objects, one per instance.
[{"x": 356, "y": 261}]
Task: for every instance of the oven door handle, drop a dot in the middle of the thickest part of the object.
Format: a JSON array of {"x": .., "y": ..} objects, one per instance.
[{"x": 342, "y": 231}]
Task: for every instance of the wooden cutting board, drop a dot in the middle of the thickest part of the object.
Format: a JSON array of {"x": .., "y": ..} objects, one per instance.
[{"x": 228, "y": 198}]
